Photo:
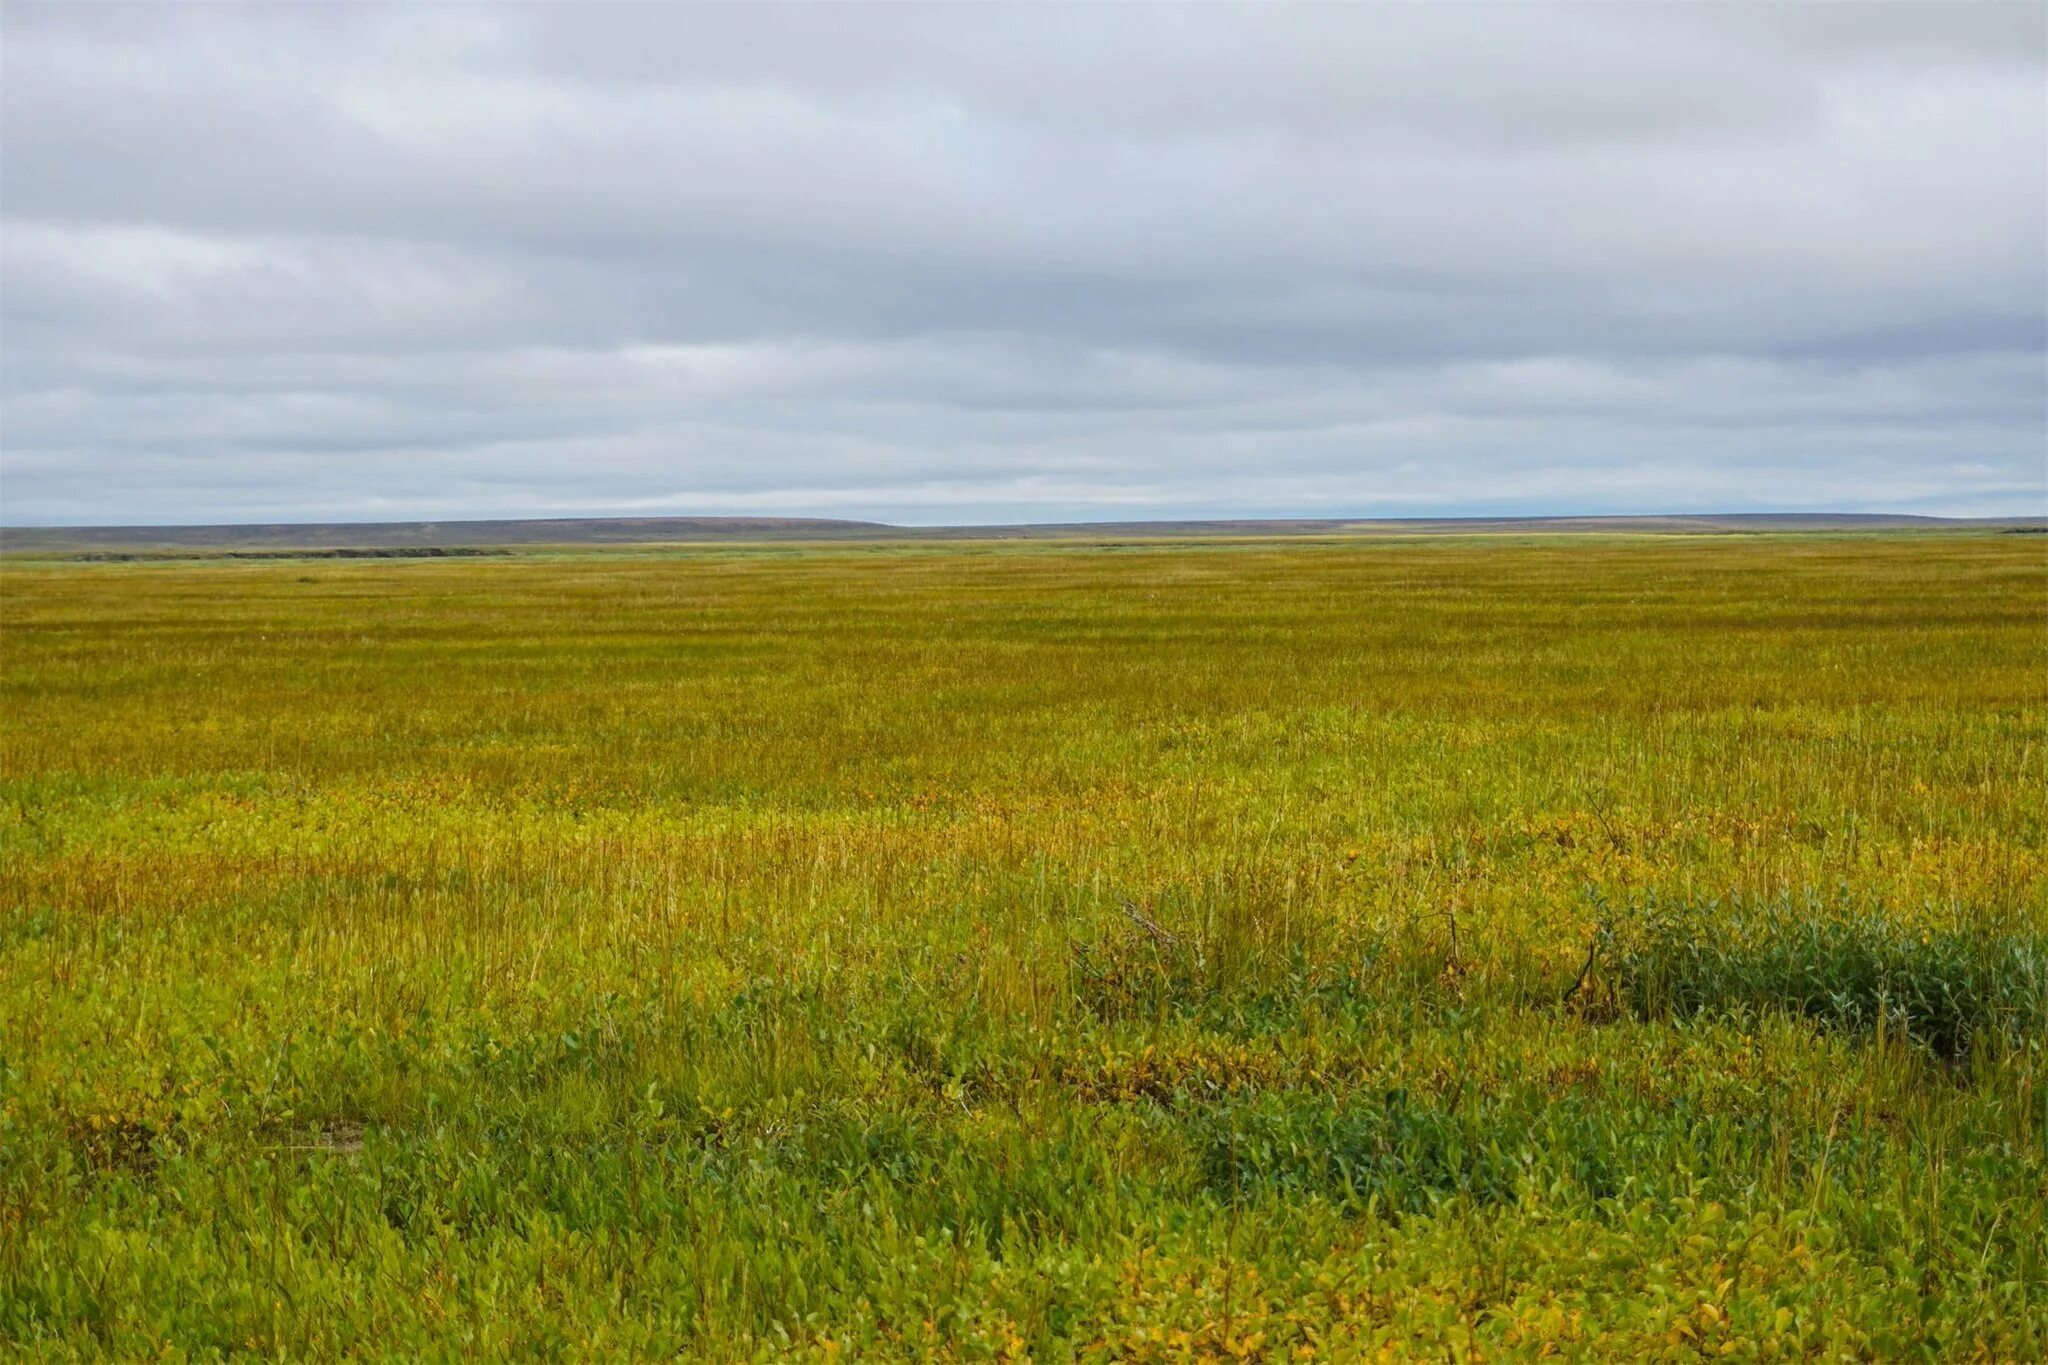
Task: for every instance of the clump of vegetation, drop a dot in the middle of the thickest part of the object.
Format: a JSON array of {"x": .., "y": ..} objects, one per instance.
[
  {"x": 1004, "y": 952},
  {"x": 1382, "y": 1152},
  {"x": 1945, "y": 989}
]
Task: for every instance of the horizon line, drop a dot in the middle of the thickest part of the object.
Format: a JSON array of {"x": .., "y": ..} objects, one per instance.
[{"x": 1337, "y": 518}]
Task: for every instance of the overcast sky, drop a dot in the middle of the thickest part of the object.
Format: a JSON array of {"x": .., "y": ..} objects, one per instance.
[{"x": 957, "y": 264}]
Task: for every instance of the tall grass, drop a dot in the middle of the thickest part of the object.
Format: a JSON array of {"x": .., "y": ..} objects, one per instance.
[{"x": 1946, "y": 989}]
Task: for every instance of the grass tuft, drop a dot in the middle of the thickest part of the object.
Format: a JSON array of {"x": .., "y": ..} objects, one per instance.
[{"x": 1946, "y": 990}]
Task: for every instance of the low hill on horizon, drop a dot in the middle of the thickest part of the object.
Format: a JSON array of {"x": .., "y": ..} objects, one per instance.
[{"x": 429, "y": 535}]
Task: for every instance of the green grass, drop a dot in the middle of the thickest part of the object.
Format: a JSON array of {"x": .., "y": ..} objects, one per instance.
[
  {"x": 1947, "y": 990},
  {"x": 1070, "y": 951}
]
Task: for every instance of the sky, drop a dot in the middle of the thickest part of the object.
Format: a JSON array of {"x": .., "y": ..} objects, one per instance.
[{"x": 971, "y": 264}]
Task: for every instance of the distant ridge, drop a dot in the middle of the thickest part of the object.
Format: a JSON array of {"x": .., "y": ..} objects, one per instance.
[
  {"x": 364, "y": 535},
  {"x": 426, "y": 535}
]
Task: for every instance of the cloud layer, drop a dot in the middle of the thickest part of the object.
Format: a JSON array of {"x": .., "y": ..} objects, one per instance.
[{"x": 968, "y": 264}]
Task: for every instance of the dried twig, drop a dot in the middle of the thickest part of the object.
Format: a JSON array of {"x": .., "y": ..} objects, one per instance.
[
  {"x": 1138, "y": 917},
  {"x": 1585, "y": 969},
  {"x": 1454, "y": 961}
]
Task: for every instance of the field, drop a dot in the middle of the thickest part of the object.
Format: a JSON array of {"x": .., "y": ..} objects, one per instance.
[{"x": 1448, "y": 948}]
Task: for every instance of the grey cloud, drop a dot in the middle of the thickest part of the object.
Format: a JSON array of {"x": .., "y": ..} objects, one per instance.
[{"x": 961, "y": 263}]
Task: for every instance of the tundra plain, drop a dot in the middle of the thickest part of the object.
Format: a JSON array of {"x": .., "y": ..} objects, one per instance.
[{"x": 1473, "y": 948}]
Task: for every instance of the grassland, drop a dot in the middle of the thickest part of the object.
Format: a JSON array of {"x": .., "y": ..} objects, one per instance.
[{"x": 1470, "y": 949}]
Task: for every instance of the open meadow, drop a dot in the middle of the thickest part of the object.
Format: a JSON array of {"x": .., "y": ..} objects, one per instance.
[{"x": 1448, "y": 948}]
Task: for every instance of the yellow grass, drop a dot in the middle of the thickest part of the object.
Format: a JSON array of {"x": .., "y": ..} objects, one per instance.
[{"x": 1109, "y": 951}]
